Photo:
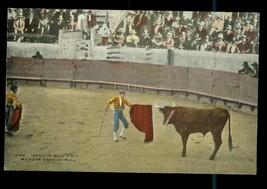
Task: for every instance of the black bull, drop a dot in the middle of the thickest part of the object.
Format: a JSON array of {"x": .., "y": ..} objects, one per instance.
[{"x": 191, "y": 120}]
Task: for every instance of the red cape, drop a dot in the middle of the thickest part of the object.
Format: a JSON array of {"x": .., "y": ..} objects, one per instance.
[{"x": 141, "y": 117}]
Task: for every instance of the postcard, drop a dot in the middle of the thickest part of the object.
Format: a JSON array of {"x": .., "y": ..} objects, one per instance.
[{"x": 131, "y": 91}]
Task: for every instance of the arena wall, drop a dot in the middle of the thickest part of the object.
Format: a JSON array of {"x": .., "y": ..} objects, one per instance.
[
  {"x": 184, "y": 58},
  {"x": 228, "y": 86}
]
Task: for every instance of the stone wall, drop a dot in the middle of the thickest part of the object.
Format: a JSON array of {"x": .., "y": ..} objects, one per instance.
[{"x": 197, "y": 59}]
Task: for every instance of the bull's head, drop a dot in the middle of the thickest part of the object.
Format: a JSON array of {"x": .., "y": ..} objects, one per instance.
[{"x": 166, "y": 111}]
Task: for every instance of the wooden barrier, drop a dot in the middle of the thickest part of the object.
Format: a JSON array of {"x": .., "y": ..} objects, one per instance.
[{"x": 212, "y": 84}]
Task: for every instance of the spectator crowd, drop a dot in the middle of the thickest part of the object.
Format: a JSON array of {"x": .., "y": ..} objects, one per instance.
[{"x": 228, "y": 32}]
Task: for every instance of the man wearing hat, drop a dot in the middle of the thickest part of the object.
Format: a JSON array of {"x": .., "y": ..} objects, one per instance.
[
  {"x": 243, "y": 47},
  {"x": 255, "y": 71},
  {"x": 19, "y": 26},
  {"x": 132, "y": 40},
  {"x": 119, "y": 103},
  {"x": 157, "y": 41},
  {"x": 246, "y": 69},
  {"x": 118, "y": 38},
  {"x": 169, "y": 41},
  {"x": 219, "y": 45},
  {"x": 228, "y": 36}
]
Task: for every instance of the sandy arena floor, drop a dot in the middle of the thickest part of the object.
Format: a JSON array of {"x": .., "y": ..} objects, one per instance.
[{"x": 60, "y": 132}]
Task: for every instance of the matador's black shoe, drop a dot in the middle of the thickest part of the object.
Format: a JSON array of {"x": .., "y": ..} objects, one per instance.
[
  {"x": 9, "y": 133},
  {"x": 124, "y": 138}
]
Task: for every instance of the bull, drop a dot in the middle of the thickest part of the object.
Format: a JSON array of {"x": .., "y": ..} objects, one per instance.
[{"x": 188, "y": 120}]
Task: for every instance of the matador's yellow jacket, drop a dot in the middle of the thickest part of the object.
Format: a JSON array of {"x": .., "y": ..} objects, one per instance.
[
  {"x": 12, "y": 100},
  {"x": 116, "y": 102}
]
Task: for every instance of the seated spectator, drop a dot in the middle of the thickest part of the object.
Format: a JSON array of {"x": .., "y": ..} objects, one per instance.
[
  {"x": 118, "y": 38},
  {"x": 182, "y": 41},
  {"x": 145, "y": 39},
  {"x": 206, "y": 45},
  {"x": 236, "y": 39},
  {"x": 132, "y": 40},
  {"x": 37, "y": 55},
  {"x": 196, "y": 42},
  {"x": 243, "y": 47},
  {"x": 201, "y": 31},
  {"x": 169, "y": 41},
  {"x": 157, "y": 41},
  {"x": 214, "y": 32},
  {"x": 219, "y": 45}
]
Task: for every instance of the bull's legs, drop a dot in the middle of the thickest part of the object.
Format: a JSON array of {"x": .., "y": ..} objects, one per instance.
[
  {"x": 184, "y": 140},
  {"x": 217, "y": 138}
]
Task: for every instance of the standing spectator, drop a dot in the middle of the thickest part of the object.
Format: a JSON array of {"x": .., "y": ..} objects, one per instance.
[
  {"x": 175, "y": 22},
  {"x": 236, "y": 39},
  {"x": 91, "y": 23},
  {"x": 72, "y": 24},
  {"x": 104, "y": 32},
  {"x": 251, "y": 37},
  {"x": 228, "y": 38},
  {"x": 129, "y": 22},
  {"x": 91, "y": 20},
  {"x": 246, "y": 26},
  {"x": 71, "y": 14},
  {"x": 55, "y": 15},
  {"x": 82, "y": 24},
  {"x": 60, "y": 24},
  {"x": 119, "y": 103},
  {"x": 168, "y": 19},
  {"x": 218, "y": 23},
  {"x": 31, "y": 26},
  {"x": 238, "y": 23},
  {"x": 140, "y": 20},
  {"x": 156, "y": 28},
  {"x": 208, "y": 22},
  {"x": 11, "y": 17},
  {"x": 19, "y": 26},
  {"x": 42, "y": 14},
  {"x": 44, "y": 25}
]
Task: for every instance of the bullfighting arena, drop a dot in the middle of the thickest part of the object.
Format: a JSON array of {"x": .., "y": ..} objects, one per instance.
[{"x": 65, "y": 129}]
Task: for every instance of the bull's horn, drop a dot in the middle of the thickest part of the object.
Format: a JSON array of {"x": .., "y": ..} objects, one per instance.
[
  {"x": 173, "y": 104},
  {"x": 157, "y": 106}
]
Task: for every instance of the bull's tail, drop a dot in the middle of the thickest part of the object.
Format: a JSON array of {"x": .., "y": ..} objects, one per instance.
[{"x": 230, "y": 141}]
